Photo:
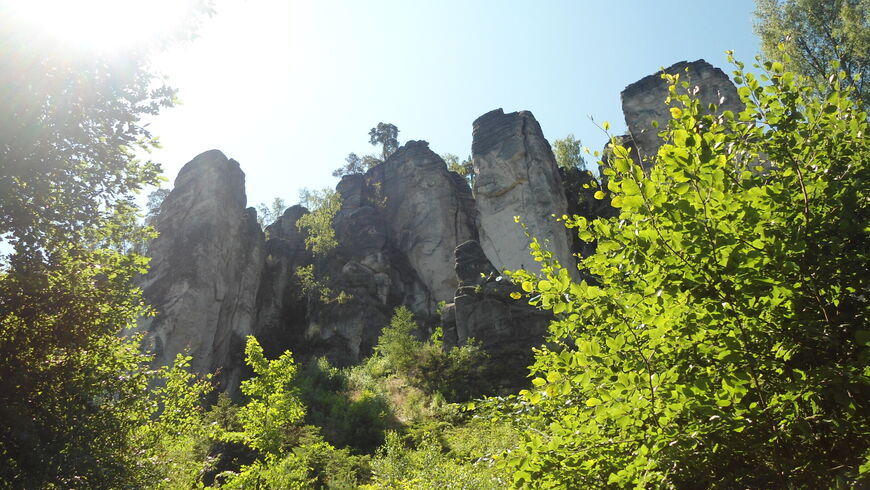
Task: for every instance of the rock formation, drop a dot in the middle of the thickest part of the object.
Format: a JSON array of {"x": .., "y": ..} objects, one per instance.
[
  {"x": 205, "y": 269},
  {"x": 483, "y": 310},
  {"x": 644, "y": 101},
  {"x": 409, "y": 233},
  {"x": 396, "y": 232},
  {"x": 280, "y": 311},
  {"x": 516, "y": 175}
]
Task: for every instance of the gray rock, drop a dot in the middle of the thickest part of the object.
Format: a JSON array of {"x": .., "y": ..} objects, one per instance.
[
  {"x": 396, "y": 232},
  {"x": 205, "y": 269},
  {"x": 644, "y": 101},
  {"x": 483, "y": 310},
  {"x": 428, "y": 213},
  {"x": 516, "y": 175},
  {"x": 281, "y": 309}
]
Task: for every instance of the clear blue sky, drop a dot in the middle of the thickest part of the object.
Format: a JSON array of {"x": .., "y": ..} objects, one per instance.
[{"x": 289, "y": 88}]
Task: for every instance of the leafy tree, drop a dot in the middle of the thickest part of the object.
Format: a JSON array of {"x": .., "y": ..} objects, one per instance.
[
  {"x": 266, "y": 215},
  {"x": 317, "y": 224},
  {"x": 386, "y": 135},
  {"x": 567, "y": 152},
  {"x": 290, "y": 455},
  {"x": 176, "y": 437},
  {"x": 726, "y": 342},
  {"x": 73, "y": 392},
  {"x": 815, "y": 33},
  {"x": 464, "y": 168},
  {"x": 152, "y": 207},
  {"x": 356, "y": 165}
]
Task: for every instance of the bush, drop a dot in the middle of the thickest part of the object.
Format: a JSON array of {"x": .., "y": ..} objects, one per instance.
[{"x": 727, "y": 343}]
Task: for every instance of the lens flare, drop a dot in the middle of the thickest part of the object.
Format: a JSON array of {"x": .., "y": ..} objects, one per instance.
[{"x": 98, "y": 25}]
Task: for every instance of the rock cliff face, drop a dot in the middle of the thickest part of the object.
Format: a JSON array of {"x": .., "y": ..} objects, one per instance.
[
  {"x": 205, "y": 269},
  {"x": 516, "y": 175},
  {"x": 409, "y": 233},
  {"x": 483, "y": 310},
  {"x": 396, "y": 232},
  {"x": 643, "y": 101},
  {"x": 280, "y": 308}
]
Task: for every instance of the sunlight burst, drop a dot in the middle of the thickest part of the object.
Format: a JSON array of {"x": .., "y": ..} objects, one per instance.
[{"x": 100, "y": 25}]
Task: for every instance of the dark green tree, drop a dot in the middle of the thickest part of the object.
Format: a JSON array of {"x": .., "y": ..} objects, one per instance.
[
  {"x": 386, "y": 135},
  {"x": 356, "y": 165},
  {"x": 73, "y": 396},
  {"x": 815, "y": 33}
]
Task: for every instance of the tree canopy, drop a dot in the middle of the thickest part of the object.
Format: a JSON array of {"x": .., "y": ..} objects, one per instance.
[
  {"x": 568, "y": 154},
  {"x": 73, "y": 397},
  {"x": 386, "y": 135},
  {"x": 815, "y": 33}
]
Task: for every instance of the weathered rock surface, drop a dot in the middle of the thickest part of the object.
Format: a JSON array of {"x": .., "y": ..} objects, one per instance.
[
  {"x": 205, "y": 269},
  {"x": 281, "y": 309},
  {"x": 483, "y": 310},
  {"x": 644, "y": 101},
  {"x": 428, "y": 213},
  {"x": 396, "y": 232},
  {"x": 516, "y": 175}
]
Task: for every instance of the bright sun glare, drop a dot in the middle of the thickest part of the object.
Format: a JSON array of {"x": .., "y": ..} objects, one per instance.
[{"x": 100, "y": 25}]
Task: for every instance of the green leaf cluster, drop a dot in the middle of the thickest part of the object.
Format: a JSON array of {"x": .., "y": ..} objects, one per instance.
[{"x": 724, "y": 341}]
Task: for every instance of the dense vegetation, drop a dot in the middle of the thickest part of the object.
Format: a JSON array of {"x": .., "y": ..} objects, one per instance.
[
  {"x": 722, "y": 339},
  {"x": 725, "y": 339}
]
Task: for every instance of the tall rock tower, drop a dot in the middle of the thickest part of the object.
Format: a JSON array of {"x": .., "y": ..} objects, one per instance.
[
  {"x": 205, "y": 269},
  {"x": 516, "y": 175}
]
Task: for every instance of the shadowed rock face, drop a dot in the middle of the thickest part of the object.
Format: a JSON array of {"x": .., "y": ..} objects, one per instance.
[
  {"x": 205, "y": 269},
  {"x": 396, "y": 232},
  {"x": 280, "y": 318},
  {"x": 516, "y": 175},
  {"x": 483, "y": 310},
  {"x": 644, "y": 101}
]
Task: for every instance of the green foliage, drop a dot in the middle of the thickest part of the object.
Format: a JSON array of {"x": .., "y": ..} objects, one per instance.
[
  {"x": 386, "y": 135},
  {"x": 397, "y": 343},
  {"x": 568, "y": 153},
  {"x": 725, "y": 342},
  {"x": 347, "y": 418},
  {"x": 317, "y": 224},
  {"x": 177, "y": 438},
  {"x": 289, "y": 455},
  {"x": 815, "y": 33},
  {"x": 273, "y": 404},
  {"x": 266, "y": 215},
  {"x": 356, "y": 165},
  {"x": 430, "y": 465},
  {"x": 73, "y": 393},
  {"x": 464, "y": 168},
  {"x": 458, "y": 375}
]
